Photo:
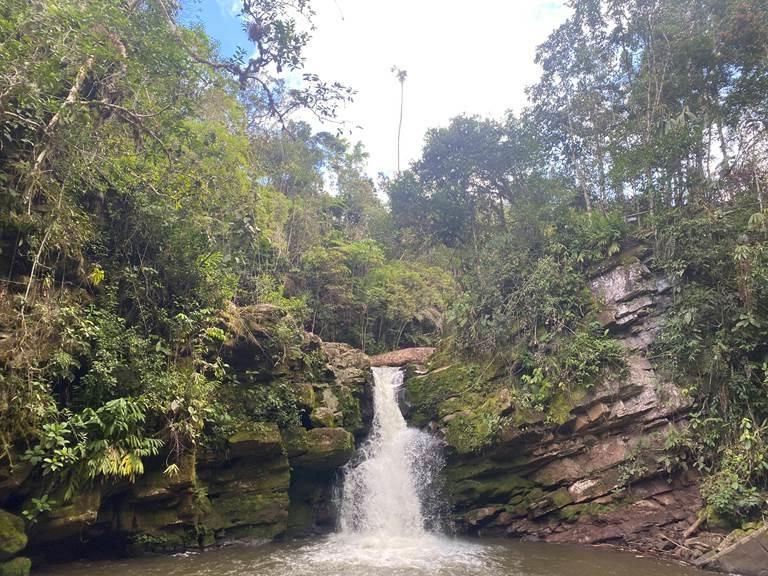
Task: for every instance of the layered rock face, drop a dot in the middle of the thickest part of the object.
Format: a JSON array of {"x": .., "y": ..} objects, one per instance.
[
  {"x": 597, "y": 475},
  {"x": 262, "y": 482}
]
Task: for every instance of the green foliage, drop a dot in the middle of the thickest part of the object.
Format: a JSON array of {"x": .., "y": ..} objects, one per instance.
[
  {"x": 357, "y": 296},
  {"x": 144, "y": 193},
  {"x": 36, "y": 507},
  {"x": 109, "y": 442}
]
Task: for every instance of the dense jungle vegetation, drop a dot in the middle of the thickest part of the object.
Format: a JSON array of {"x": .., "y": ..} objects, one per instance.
[{"x": 149, "y": 186}]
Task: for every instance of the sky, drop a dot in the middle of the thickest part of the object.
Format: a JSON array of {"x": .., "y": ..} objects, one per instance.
[{"x": 461, "y": 58}]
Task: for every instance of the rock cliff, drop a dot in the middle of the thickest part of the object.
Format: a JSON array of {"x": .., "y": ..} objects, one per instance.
[
  {"x": 263, "y": 481},
  {"x": 591, "y": 470}
]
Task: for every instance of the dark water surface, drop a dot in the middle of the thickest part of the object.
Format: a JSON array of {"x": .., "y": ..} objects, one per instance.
[{"x": 339, "y": 555}]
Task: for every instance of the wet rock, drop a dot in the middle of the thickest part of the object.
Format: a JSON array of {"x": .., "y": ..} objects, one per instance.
[
  {"x": 260, "y": 439},
  {"x": 13, "y": 537},
  {"x": 403, "y": 357},
  {"x": 323, "y": 418},
  {"x": 69, "y": 519},
  {"x": 476, "y": 518},
  {"x": 16, "y": 567},
  {"x": 747, "y": 556},
  {"x": 320, "y": 448}
]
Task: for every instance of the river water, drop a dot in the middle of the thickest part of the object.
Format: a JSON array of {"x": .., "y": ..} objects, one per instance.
[
  {"x": 389, "y": 525},
  {"x": 334, "y": 556}
]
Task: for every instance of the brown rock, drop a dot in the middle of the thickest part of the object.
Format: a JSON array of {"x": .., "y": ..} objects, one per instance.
[
  {"x": 747, "y": 556},
  {"x": 403, "y": 357}
]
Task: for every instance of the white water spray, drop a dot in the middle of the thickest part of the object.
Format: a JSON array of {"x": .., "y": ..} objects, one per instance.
[
  {"x": 389, "y": 505},
  {"x": 385, "y": 490}
]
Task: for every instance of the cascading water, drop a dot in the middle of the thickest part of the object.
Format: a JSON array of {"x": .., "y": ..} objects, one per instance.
[
  {"x": 389, "y": 502},
  {"x": 385, "y": 491},
  {"x": 386, "y": 525}
]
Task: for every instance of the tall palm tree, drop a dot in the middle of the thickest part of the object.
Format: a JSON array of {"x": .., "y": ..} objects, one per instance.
[{"x": 401, "y": 76}]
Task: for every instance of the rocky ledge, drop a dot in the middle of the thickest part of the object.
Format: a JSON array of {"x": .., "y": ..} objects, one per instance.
[
  {"x": 262, "y": 482},
  {"x": 403, "y": 357},
  {"x": 597, "y": 472}
]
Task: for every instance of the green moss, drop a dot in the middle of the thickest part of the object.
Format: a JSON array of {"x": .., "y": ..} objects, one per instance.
[
  {"x": 573, "y": 512},
  {"x": 319, "y": 448},
  {"x": 477, "y": 424},
  {"x": 241, "y": 509},
  {"x": 305, "y": 395},
  {"x": 12, "y": 536},
  {"x": 160, "y": 542},
  {"x": 350, "y": 409},
  {"x": 323, "y": 418},
  {"x": 427, "y": 393},
  {"x": 561, "y": 498},
  {"x": 563, "y": 402},
  {"x": 505, "y": 489},
  {"x": 300, "y": 517},
  {"x": 257, "y": 433},
  {"x": 16, "y": 567}
]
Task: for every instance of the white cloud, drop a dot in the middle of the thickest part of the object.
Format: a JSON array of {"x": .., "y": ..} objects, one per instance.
[
  {"x": 461, "y": 57},
  {"x": 229, "y": 7}
]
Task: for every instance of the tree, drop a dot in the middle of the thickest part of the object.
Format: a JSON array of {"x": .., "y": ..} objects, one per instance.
[{"x": 401, "y": 76}]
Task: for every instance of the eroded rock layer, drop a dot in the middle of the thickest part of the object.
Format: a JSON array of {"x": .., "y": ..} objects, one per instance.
[
  {"x": 262, "y": 481},
  {"x": 591, "y": 470}
]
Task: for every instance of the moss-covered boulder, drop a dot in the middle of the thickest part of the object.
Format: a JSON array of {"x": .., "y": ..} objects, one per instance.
[
  {"x": 305, "y": 396},
  {"x": 320, "y": 448},
  {"x": 13, "y": 538},
  {"x": 16, "y": 567},
  {"x": 349, "y": 365},
  {"x": 257, "y": 440},
  {"x": 323, "y": 418}
]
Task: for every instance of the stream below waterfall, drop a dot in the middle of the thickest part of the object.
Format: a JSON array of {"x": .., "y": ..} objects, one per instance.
[{"x": 389, "y": 524}]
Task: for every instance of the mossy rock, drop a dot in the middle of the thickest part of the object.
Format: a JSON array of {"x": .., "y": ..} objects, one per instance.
[
  {"x": 426, "y": 394},
  {"x": 257, "y": 439},
  {"x": 468, "y": 400},
  {"x": 497, "y": 490},
  {"x": 323, "y": 418},
  {"x": 158, "y": 542},
  {"x": 249, "y": 475},
  {"x": 301, "y": 517},
  {"x": 320, "y": 448},
  {"x": 13, "y": 538},
  {"x": 156, "y": 485},
  {"x": 67, "y": 519},
  {"x": 473, "y": 420},
  {"x": 16, "y": 567},
  {"x": 305, "y": 396},
  {"x": 154, "y": 518},
  {"x": 352, "y": 416},
  {"x": 253, "y": 509}
]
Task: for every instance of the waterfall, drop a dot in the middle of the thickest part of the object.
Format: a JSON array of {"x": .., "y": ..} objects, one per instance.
[
  {"x": 389, "y": 489},
  {"x": 390, "y": 504}
]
